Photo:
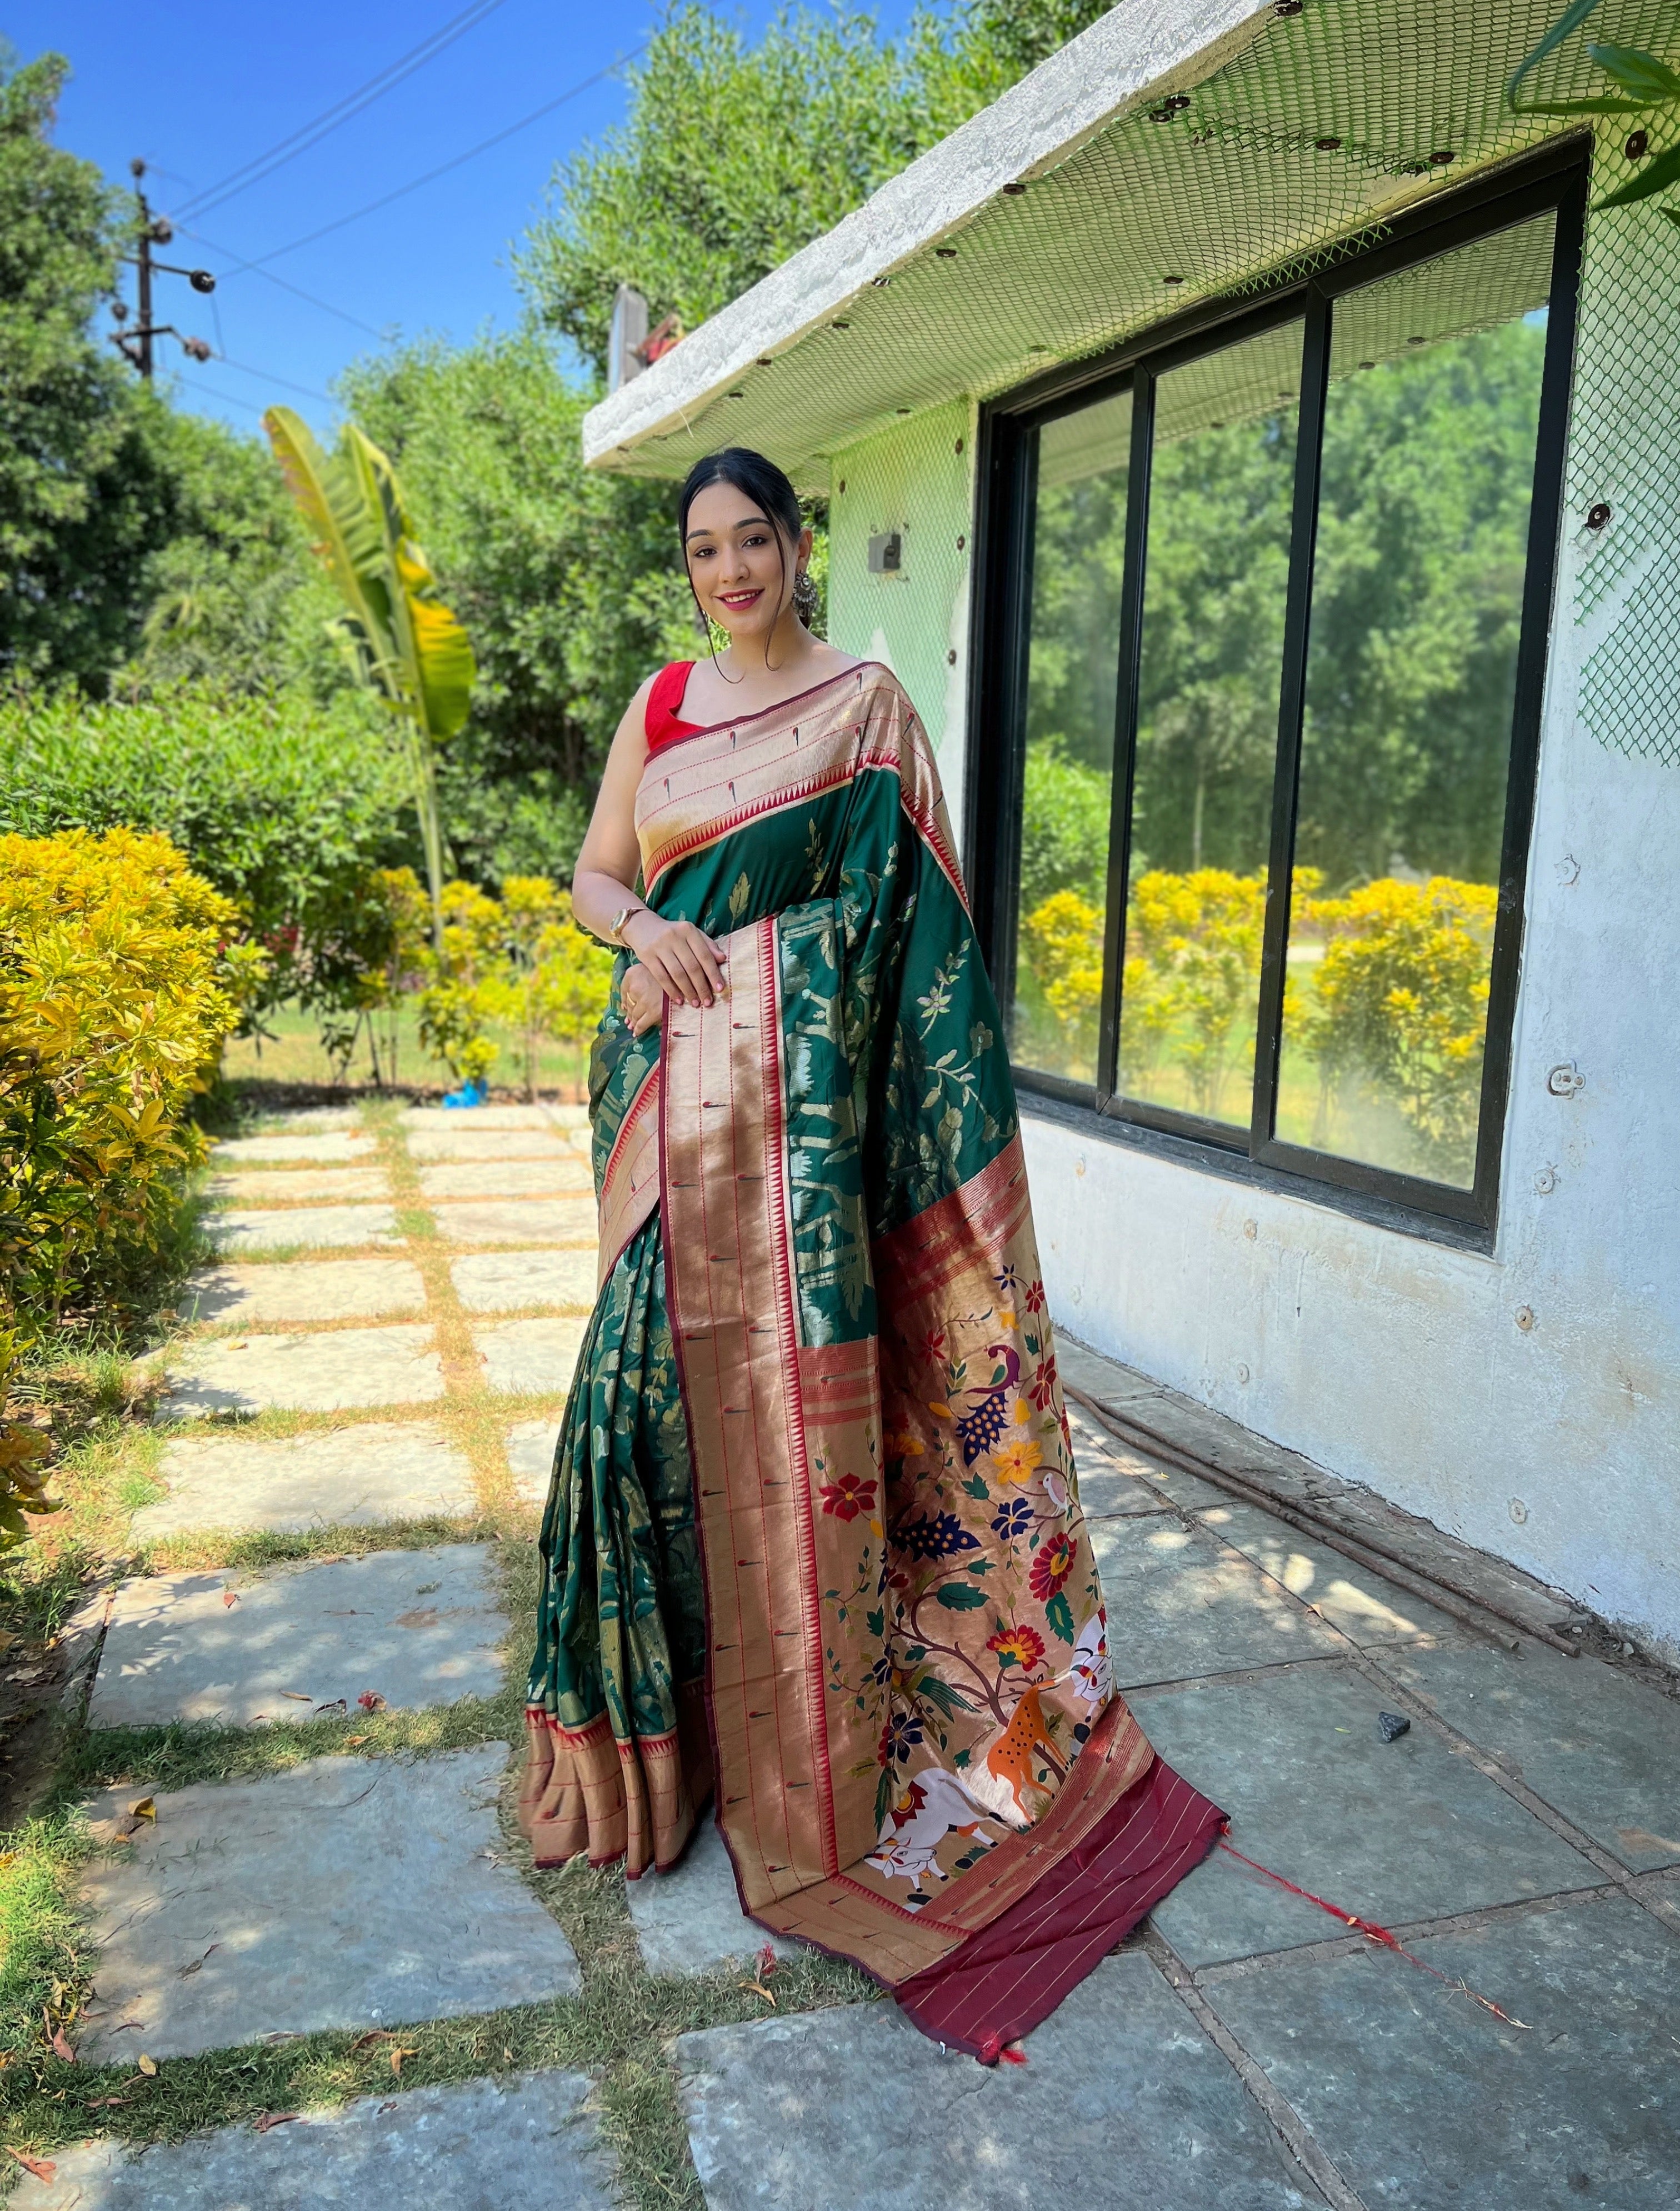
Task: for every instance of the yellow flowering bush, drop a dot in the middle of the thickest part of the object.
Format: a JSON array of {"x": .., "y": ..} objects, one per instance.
[
  {"x": 1198, "y": 939},
  {"x": 1062, "y": 939},
  {"x": 1387, "y": 987},
  {"x": 559, "y": 977},
  {"x": 1401, "y": 998},
  {"x": 119, "y": 977},
  {"x": 521, "y": 962}
]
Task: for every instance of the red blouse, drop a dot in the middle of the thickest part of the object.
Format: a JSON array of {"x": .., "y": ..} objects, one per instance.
[{"x": 664, "y": 702}]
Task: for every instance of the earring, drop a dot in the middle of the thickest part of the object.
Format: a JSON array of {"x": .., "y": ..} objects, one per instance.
[{"x": 804, "y": 595}]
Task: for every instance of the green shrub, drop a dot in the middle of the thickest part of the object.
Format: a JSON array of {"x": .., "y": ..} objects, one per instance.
[
  {"x": 279, "y": 805},
  {"x": 119, "y": 978}
]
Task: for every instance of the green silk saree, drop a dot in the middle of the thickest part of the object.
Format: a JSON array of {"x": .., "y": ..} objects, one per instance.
[{"x": 813, "y": 1542}]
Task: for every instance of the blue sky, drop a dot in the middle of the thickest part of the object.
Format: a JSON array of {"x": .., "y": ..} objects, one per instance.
[{"x": 199, "y": 88}]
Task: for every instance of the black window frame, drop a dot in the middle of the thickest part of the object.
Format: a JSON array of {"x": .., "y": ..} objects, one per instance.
[{"x": 1554, "y": 179}]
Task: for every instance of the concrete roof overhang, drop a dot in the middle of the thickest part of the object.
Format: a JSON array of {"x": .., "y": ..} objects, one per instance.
[{"x": 1176, "y": 151}]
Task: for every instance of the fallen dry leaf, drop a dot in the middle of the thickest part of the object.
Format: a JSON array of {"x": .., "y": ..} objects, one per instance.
[
  {"x": 275, "y": 2119},
  {"x": 297, "y": 1696},
  {"x": 230, "y": 1597},
  {"x": 374, "y": 2034},
  {"x": 43, "y": 2168},
  {"x": 338, "y": 1705},
  {"x": 398, "y": 2055},
  {"x": 148, "y": 2065},
  {"x": 60, "y": 2047},
  {"x": 108, "y": 2103},
  {"x": 351, "y": 1741},
  {"x": 145, "y": 1809},
  {"x": 371, "y": 1701},
  {"x": 758, "y": 1989}
]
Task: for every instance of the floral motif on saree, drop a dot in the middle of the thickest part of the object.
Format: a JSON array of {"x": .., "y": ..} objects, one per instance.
[{"x": 815, "y": 1482}]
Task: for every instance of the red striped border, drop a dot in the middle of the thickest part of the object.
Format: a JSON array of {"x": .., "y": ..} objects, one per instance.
[{"x": 787, "y": 1337}]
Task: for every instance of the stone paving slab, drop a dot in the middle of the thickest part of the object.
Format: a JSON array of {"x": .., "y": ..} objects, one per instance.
[
  {"x": 315, "y": 1117},
  {"x": 518, "y": 1220},
  {"x": 1108, "y": 1474},
  {"x": 439, "y": 1144},
  {"x": 517, "y": 2143},
  {"x": 1396, "y": 1832},
  {"x": 1600, "y": 1747},
  {"x": 495, "y": 1117},
  {"x": 277, "y": 1186},
  {"x": 525, "y": 1358},
  {"x": 321, "y": 1149},
  {"x": 531, "y": 1458},
  {"x": 1111, "y": 1460},
  {"x": 311, "y": 1227},
  {"x": 1424, "y": 2100},
  {"x": 320, "y": 1289},
  {"x": 310, "y": 1373},
  {"x": 354, "y": 1477},
  {"x": 690, "y": 1921},
  {"x": 1364, "y": 1606},
  {"x": 496, "y": 1281},
  {"x": 348, "y": 1892},
  {"x": 416, "y": 1627},
  {"x": 564, "y": 1172},
  {"x": 1123, "y": 2106},
  {"x": 1179, "y": 1608}
]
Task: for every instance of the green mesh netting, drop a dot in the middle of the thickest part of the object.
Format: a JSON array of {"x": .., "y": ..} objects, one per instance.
[{"x": 1325, "y": 125}]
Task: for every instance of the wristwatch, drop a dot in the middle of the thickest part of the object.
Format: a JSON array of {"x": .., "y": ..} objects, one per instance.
[{"x": 616, "y": 932}]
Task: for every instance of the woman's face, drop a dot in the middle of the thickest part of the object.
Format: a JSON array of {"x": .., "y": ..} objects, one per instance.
[{"x": 741, "y": 570}]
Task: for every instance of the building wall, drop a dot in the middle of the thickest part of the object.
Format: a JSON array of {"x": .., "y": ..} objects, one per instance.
[
  {"x": 1528, "y": 1399},
  {"x": 916, "y": 480}
]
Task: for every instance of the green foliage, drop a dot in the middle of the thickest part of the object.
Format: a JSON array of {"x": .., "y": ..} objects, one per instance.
[
  {"x": 83, "y": 500},
  {"x": 1645, "y": 85},
  {"x": 734, "y": 155},
  {"x": 283, "y": 807},
  {"x": 233, "y": 598},
  {"x": 119, "y": 977},
  {"x": 1064, "y": 827},
  {"x": 569, "y": 582},
  {"x": 520, "y": 961},
  {"x": 23, "y": 1448},
  {"x": 1400, "y": 997}
]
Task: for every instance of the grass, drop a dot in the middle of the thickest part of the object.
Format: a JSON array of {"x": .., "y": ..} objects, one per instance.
[{"x": 110, "y": 1451}]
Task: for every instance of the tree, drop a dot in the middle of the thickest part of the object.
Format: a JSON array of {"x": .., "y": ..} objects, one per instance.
[
  {"x": 83, "y": 500},
  {"x": 568, "y": 581},
  {"x": 405, "y": 644},
  {"x": 733, "y": 156}
]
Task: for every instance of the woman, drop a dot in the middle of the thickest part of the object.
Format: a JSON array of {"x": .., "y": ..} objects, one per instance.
[{"x": 813, "y": 1538}]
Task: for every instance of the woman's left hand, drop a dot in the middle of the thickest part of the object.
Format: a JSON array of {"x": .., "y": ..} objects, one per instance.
[{"x": 641, "y": 1000}]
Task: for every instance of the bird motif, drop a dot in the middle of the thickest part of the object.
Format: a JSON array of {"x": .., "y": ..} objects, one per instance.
[{"x": 988, "y": 1414}]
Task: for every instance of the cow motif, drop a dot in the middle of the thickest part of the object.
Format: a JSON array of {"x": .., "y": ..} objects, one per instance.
[{"x": 934, "y": 1804}]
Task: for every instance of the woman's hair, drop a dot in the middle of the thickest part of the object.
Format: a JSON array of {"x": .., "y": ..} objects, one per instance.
[
  {"x": 747, "y": 471},
  {"x": 759, "y": 480}
]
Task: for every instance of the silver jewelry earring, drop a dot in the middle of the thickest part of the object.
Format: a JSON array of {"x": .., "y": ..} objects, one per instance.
[{"x": 804, "y": 595}]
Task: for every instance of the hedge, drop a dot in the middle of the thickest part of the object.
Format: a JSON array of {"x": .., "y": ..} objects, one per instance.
[
  {"x": 279, "y": 805},
  {"x": 119, "y": 978}
]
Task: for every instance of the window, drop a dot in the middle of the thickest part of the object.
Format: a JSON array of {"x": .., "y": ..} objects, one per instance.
[{"x": 1262, "y": 649}]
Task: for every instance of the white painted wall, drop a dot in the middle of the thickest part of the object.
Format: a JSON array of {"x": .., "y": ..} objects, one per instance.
[{"x": 1389, "y": 1358}]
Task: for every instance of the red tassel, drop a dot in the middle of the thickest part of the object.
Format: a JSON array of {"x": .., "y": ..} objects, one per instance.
[
  {"x": 994, "y": 2049},
  {"x": 1373, "y": 1933}
]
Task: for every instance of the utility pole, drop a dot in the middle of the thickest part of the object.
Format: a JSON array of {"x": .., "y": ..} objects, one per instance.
[{"x": 136, "y": 345}]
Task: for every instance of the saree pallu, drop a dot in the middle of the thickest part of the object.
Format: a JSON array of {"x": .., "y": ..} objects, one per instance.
[{"x": 814, "y": 1538}]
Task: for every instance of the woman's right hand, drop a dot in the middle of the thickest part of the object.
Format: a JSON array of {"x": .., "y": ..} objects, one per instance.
[{"x": 680, "y": 958}]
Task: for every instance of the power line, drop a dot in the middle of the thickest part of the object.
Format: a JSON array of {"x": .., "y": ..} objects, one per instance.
[
  {"x": 307, "y": 391},
  {"x": 258, "y": 261},
  {"x": 341, "y": 111},
  {"x": 286, "y": 285}
]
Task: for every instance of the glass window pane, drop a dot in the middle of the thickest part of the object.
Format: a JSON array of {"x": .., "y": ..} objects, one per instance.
[
  {"x": 1216, "y": 580},
  {"x": 1072, "y": 670},
  {"x": 1428, "y": 471}
]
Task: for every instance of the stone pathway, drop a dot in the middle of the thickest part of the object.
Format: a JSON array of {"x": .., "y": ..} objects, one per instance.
[{"x": 394, "y": 1354}]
